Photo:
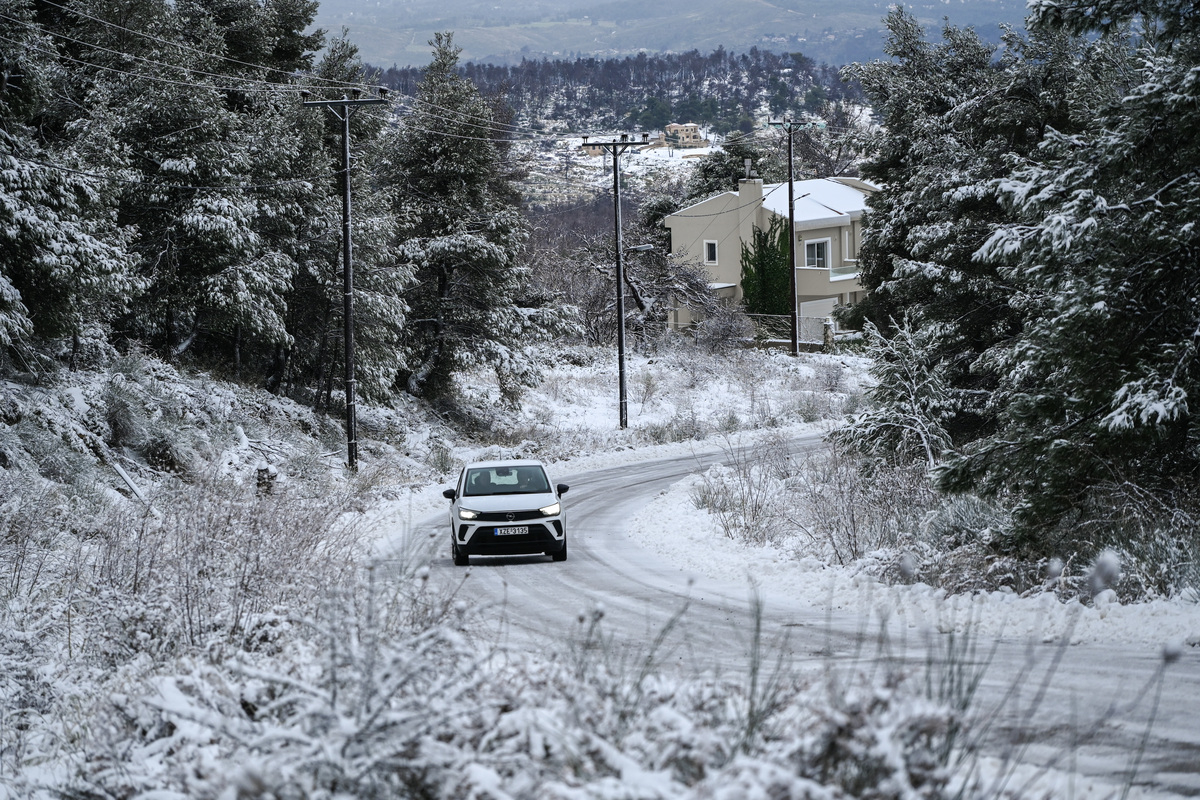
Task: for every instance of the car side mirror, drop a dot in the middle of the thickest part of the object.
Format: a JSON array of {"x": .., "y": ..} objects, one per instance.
[
  {"x": 449, "y": 494},
  {"x": 562, "y": 488}
]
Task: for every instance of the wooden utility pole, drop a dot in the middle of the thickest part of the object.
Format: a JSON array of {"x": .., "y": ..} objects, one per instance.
[
  {"x": 344, "y": 109},
  {"x": 791, "y": 127},
  {"x": 617, "y": 147}
]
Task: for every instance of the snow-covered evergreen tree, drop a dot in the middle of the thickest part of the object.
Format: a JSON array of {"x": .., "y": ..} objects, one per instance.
[
  {"x": 463, "y": 232},
  {"x": 1102, "y": 382},
  {"x": 952, "y": 120},
  {"x": 62, "y": 259},
  {"x": 316, "y": 357}
]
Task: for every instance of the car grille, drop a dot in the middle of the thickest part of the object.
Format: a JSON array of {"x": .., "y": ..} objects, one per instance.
[{"x": 508, "y": 516}]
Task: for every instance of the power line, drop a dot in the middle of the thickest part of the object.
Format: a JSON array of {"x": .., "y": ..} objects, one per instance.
[
  {"x": 154, "y": 78},
  {"x": 189, "y": 48},
  {"x": 149, "y": 184},
  {"x": 123, "y": 54}
]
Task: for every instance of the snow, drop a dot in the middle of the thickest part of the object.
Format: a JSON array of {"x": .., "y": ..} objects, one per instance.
[
  {"x": 817, "y": 201},
  {"x": 691, "y": 540},
  {"x": 521, "y": 725}
]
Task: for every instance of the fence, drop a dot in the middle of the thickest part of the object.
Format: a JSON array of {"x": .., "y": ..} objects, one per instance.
[{"x": 771, "y": 327}]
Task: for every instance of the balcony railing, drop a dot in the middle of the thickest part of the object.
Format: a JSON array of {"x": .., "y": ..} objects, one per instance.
[{"x": 848, "y": 269}]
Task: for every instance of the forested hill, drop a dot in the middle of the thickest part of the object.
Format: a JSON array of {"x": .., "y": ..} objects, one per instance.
[{"x": 721, "y": 89}]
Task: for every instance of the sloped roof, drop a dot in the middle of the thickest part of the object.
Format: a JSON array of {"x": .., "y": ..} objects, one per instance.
[{"x": 819, "y": 201}]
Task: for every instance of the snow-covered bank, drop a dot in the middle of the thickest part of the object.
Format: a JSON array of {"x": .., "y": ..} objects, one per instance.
[{"x": 691, "y": 539}]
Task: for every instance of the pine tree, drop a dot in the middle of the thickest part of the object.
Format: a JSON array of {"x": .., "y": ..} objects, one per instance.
[
  {"x": 953, "y": 122},
  {"x": 316, "y": 358},
  {"x": 63, "y": 265},
  {"x": 463, "y": 233},
  {"x": 1101, "y": 384}
]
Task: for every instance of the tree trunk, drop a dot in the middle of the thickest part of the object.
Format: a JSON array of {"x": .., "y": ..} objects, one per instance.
[
  {"x": 420, "y": 376},
  {"x": 237, "y": 350},
  {"x": 321, "y": 357}
]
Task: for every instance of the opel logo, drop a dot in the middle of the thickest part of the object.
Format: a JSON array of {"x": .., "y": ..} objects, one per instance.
[{"x": 510, "y": 516}]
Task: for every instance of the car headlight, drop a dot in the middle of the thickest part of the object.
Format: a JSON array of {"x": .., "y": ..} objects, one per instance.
[
  {"x": 466, "y": 513},
  {"x": 552, "y": 510}
]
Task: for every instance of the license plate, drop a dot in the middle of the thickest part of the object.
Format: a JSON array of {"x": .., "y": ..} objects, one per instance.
[{"x": 513, "y": 530}]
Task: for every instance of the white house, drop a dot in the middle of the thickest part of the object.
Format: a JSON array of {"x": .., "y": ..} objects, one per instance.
[{"x": 828, "y": 224}]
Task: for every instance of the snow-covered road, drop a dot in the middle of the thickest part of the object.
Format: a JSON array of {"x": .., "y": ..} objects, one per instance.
[{"x": 1080, "y": 722}]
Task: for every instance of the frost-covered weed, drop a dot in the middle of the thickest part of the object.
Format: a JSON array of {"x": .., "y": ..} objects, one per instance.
[
  {"x": 681, "y": 427},
  {"x": 844, "y": 507},
  {"x": 743, "y": 492},
  {"x": 34, "y": 514}
]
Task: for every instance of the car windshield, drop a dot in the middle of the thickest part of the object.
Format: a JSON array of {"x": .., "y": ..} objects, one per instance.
[{"x": 506, "y": 480}]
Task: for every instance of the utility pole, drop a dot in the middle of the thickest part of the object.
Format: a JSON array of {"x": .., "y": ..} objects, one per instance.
[
  {"x": 791, "y": 127},
  {"x": 617, "y": 147},
  {"x": 344, "y": 109}
]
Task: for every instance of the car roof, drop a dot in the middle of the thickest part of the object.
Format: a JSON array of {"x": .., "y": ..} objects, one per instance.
[{"x": 517, "y": 462}]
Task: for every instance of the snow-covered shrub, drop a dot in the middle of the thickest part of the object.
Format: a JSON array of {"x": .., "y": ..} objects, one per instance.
[
  {"x": 207, "y": 559},
  {"x": 744, "y": 492},
  {"x": 46, "y": 443},
  {"x": 813, "y": 406},
  {"x": 844, "y": 506},
  {"x": 27, "y": 694},
  {"x": 723, "y": 331},
  {"x": 125, "y": 412},
  {"x": 910, "y": 400},
  {"x": 33, "y": 517},
  {"x": 683, "y": 426}
]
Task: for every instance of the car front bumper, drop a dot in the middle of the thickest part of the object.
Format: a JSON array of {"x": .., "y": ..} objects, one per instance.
[{"x": 545, "y": 535}]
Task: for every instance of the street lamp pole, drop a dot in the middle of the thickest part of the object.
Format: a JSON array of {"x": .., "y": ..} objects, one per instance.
[
  {"x": 617, "y": 147},
  {"x": 344, "y": 109}
]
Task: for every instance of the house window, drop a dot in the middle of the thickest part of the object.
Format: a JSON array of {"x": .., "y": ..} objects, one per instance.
[
  {"x": 816, "y": 254},
  {"x": 710, "y": 252}
]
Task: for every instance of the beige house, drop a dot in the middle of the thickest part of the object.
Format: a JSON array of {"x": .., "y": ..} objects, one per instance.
[
  {"x": 828, "y": 220},
  {"x": 684, "y": 135}
]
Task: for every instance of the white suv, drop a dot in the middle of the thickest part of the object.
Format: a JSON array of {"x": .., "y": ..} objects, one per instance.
[{"x": 506, "y": 508}]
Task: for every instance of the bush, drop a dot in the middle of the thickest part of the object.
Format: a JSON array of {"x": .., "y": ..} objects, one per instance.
[
  {"x": 847, "y": 506},
  {"x": 744, "y": 491}
]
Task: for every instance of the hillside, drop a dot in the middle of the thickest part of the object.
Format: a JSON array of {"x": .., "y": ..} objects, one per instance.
[{"x": 394, "y": 32}]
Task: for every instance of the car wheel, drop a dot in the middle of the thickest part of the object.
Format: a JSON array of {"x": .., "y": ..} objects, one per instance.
[
  {"x": 461, "y": 559},
  {"x": 561, "y": 555}
]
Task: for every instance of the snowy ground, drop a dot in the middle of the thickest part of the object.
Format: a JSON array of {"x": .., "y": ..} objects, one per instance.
[
  {"x": 577, "y": 405},
  {"x": 763, "y": 392},
  {"x": 105, "y": 691},
  {"x": 691, "y": 539}
]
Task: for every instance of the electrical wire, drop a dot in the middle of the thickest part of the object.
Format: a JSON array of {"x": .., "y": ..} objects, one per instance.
[
  {"x": 142, "y": 59},
  {"x": 137, "y": 75},
  {"x": 753, "y": 204},
  {"x": 485, "y": 123},
  {"x": 195, "y": 50},
  {"x": 147, "y": 184}
]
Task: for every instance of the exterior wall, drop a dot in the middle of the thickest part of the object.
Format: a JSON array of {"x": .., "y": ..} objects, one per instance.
[
  {"x": 816, "y": 283},
  {"x": 729, "y": 219}
]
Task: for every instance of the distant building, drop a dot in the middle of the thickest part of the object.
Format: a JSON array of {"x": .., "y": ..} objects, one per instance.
[
  {"x": 828, "y": 216},
  {"x": 685, "y": 135}
]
